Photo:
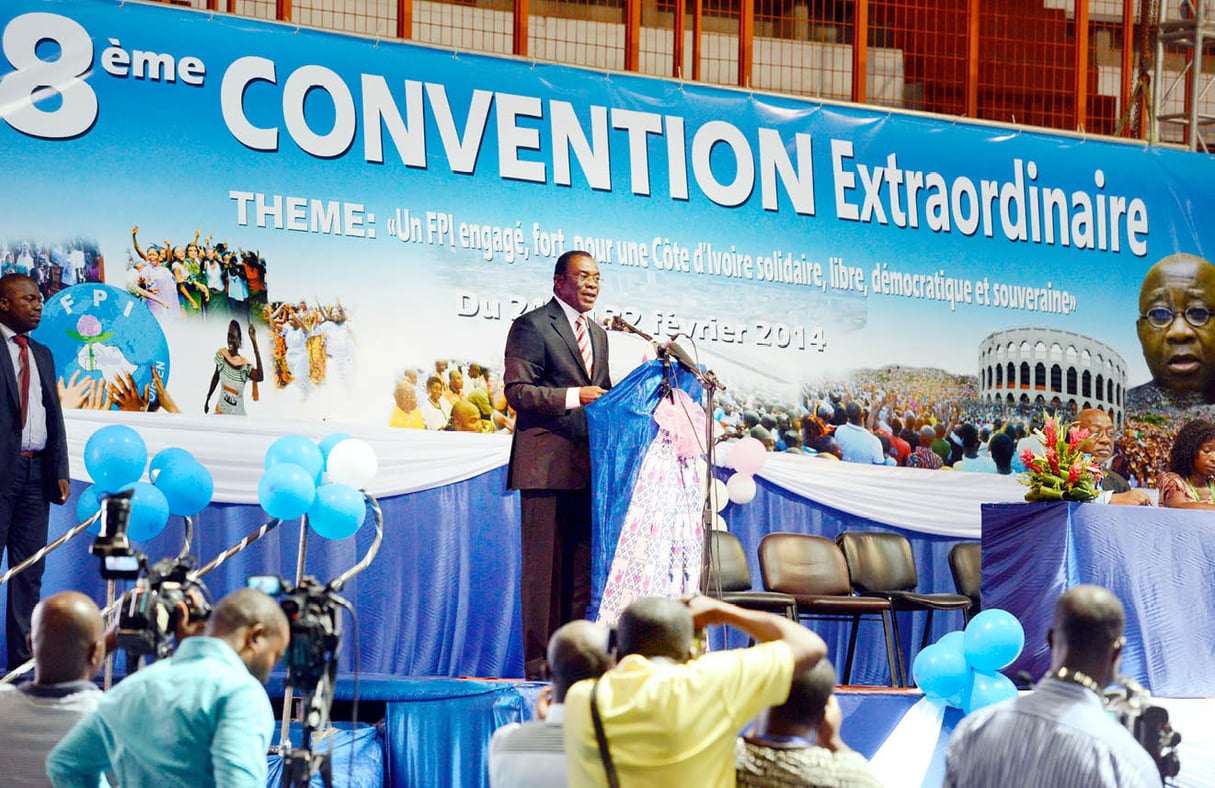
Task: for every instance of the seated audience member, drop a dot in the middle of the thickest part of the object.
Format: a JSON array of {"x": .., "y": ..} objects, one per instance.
[
  {"x": 793, "y": 442},
  {"x": 1001, "y": 448},
  {"x": 764, "y": 436},
  {"x": 1115, "y": 489},
  {"x": 466, "y": 418},
  {"x": 827, "y": 447},
  {"x": 436, "y": 410},
  {"x": 198, "y": 718},
  {"x": 778, "y": 751},
  {"x": 532, "y": 754},
  {"x": 1058, "y": 735},
  {"x": 971, "y": 461},
  {"x": 67, "y": 641},
  {"x": 1189, "y": 482},
  {"x": 857, "y": 443},
  {"x": 923, "y": 456},
  {"x": 406, "y": 413},
  {"x": 669, "y": 718}
]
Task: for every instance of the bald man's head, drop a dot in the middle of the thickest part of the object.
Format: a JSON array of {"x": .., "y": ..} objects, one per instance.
[
  {"x": 465, "y": 417},
  {"x": 254, "y": 625},
  {"x": 1175, "y": 329},
  {"x": 67, "y": 639},
  {"x": 1087, "y": 635},
  {"x": 1100, "y": 429},
  {"x": 577, "y": 651}
]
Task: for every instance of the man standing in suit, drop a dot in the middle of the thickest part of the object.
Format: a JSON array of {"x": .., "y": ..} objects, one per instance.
[
  {"x": 556, "y": 363},
  {"x": 33, "y": 451}
]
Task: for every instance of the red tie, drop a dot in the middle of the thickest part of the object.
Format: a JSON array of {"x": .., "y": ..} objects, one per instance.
[
  {"x": 584, "y": 344},
  {"x": 23, "y": 377}
]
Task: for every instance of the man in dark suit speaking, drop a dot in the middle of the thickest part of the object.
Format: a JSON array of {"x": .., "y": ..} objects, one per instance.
[
  {"x": 556, "y": 363},
  {"x": 33, "y": 451}
]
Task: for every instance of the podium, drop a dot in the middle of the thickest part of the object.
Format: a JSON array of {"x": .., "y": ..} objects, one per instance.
[{"x": 622, "y": 435}]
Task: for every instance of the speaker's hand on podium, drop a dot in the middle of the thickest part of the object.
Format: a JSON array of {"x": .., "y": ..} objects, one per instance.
[{"x": 588, "y": 394}]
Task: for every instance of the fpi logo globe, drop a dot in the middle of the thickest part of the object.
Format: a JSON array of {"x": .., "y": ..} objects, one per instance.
[{"x": 103, "y": 333}]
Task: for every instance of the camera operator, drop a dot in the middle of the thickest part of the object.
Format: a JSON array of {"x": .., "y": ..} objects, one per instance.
[
  {"x": 1060, "y": 733},
  {"x": 199, "y": 718}
]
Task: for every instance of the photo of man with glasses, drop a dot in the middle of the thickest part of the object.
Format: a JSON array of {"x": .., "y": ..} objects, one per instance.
[{"x": 1176, "y": 304}]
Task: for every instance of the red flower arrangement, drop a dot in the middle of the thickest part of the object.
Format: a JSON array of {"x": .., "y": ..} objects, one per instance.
[{"x": 1065, "y": 471}]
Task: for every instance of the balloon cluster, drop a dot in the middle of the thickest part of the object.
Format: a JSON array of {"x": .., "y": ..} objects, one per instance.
[
  {"x": 321, "y": 480},
  {"x": 746, "y": 457},
  {"x": 115, "y": 457},
  {"x": 961, "y": 668}
]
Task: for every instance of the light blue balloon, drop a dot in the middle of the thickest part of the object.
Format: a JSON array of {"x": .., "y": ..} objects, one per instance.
[
  {"x": 329, "y": 441},
  {"x": 286, "y": 491},
  {"x": 338, "y": 511},
  {"x": 87, "y": 505},
  {"x": 115, "y": 456},
  {"x": 296, "y": 450},
  {"x": 993, "y": 639},
  {"x": 186, "y": 485},
  {"x": 149, "y": 512},
  {"x": 164, "y": 457},
  {"x": 940, "y": 671},
  {"x": 954, "y": 640},
  {"x": 987, "y": 689}
]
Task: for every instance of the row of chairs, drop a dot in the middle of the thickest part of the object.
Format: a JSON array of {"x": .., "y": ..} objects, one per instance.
[{"x": 862, "y": 574}]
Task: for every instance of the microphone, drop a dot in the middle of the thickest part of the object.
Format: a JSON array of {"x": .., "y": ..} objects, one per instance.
[
  {"x": 618, "y": 323},
  {"x": 674, "y": 350}
]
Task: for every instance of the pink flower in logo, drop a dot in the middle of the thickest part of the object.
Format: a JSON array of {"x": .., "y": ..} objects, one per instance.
[{"x": 88, "y": 326}]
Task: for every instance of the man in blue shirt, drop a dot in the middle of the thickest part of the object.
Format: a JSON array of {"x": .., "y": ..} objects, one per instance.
[
  {"x": 858, "y": 443},
  {"x": 199, "y": 718}
]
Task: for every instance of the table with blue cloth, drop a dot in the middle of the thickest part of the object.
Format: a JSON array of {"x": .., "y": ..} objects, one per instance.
[{"x": 1159, "y": 562}]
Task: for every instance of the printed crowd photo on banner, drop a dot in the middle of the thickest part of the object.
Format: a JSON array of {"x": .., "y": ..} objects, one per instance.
[{"x": 384, "y": 211}]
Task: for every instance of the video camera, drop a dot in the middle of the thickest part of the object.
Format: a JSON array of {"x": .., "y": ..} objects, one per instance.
[
  {"x": 118, "y": 560},
  {"x": 150, "y": 612},
  {"x": 316, "y": 628},
  {"x": 316, "y": 634},
  {"x": 1131, "y": 705}
]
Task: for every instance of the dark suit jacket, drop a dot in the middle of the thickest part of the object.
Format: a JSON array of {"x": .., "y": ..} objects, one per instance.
[
  {"x": 1113, "y": 482},
  {"x": 55, "y": 458},
  {"x": 550, "y": 449}
]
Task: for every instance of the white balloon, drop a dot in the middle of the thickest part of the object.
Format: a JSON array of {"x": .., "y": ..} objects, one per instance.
[
  {"x": 741, "y": 488},
  {"x": 720, "y": 496},
  {"x": 352, "y": 462},
  {"x": 719, "y": 523}
]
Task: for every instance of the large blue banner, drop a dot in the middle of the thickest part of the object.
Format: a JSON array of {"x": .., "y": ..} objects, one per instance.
[{"x": 373, "y": 206}]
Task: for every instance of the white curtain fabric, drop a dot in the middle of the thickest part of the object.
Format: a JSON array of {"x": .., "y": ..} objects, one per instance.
[
  {"x": 233, "y": 448},
  {"x": 908, "y": 751},
  {"x": 945, "y": 503}
]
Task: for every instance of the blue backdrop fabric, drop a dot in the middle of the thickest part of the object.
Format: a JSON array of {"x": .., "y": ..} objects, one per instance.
[
  {"x": 1159, "y": 562},
  {"x": 441, "y": 598}
]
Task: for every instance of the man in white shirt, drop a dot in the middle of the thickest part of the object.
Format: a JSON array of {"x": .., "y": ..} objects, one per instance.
[
  {"x": 532, "y": 754},
  {"x": 67, "y": 639}
]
